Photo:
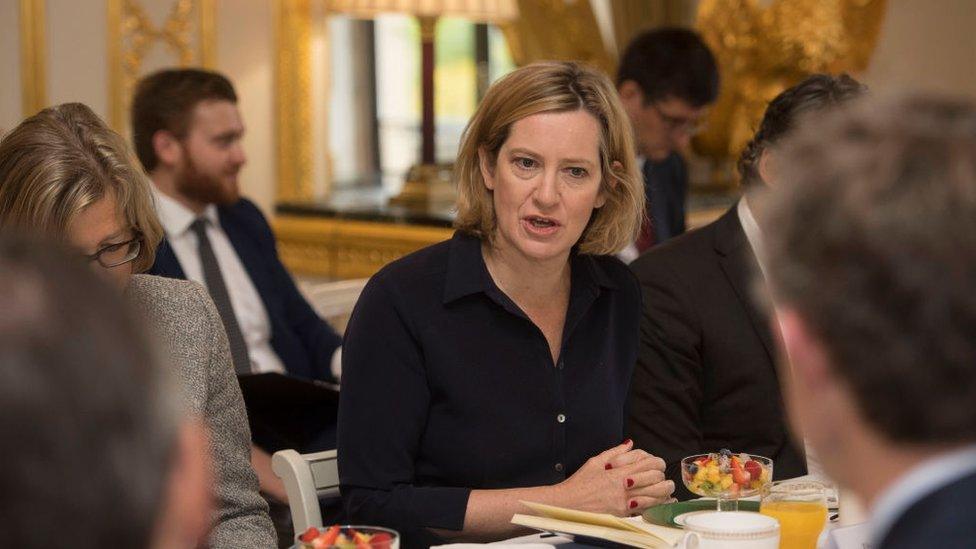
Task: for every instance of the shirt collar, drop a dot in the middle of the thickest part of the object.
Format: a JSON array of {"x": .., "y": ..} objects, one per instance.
[
  {"x": 753, "y": 233},
  {"x": 467, "y": 273},
  {"x": 177, "y": 218},
  {"x": 921, "y": 481}
]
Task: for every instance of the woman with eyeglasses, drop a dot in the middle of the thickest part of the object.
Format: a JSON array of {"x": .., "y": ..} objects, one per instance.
[{"x": 65, "y": 174}]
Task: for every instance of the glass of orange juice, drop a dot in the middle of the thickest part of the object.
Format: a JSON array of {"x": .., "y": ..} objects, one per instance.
[{"x": 801, "y": 509}]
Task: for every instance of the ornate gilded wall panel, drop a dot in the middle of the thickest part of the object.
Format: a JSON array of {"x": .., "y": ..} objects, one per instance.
[
  {"x": 556, "y": 29},
  {"x": 337, "y": 248},
  {"x": 187, "y": 34},
  {"x": 765, "y": 47},
  {"x": 293, "y": 32},
  {"x": 33, "y": 56}
]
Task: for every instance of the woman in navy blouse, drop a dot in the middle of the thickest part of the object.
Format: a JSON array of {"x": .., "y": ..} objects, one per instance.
[{"x": 493, "y": 367}]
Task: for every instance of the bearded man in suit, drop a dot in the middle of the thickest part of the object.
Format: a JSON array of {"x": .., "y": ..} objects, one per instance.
[{"x": 188, "y": 132}]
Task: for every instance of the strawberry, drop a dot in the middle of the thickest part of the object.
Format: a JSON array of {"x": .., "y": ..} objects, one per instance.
[
  {"x": 309, "y": 534},
  {"x": 739, "y": 475},
  {"x": 381, "y": 540},
  {"x": 754, "y": 468},
  {"x": 329, "y": 536}
]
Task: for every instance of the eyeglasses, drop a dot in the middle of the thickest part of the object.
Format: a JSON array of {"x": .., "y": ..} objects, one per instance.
[
  {"x": 114, "y": 255},
  {"x": 688, "y": 126}
]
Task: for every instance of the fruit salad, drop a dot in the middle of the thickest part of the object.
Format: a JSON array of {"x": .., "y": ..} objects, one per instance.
[
  {"x": 726, "y": 474},
  {"x": 348, "y": 537}
]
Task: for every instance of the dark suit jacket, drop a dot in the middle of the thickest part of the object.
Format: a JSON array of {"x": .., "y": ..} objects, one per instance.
[
  {"x": 301, "y": 339},
  {"x": 942, "y": 519},
  {"x": 666, "y": 188},
  {"x": 705, "y": 377}
]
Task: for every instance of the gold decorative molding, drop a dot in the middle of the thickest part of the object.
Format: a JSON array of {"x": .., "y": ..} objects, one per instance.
[
  {"x": 293, "y": 33},
  {"x": 556, "y": 29},
  {"x": 340, "y": 248},
  {"x": 33, "y": 56},
  {"x": 131, "y": 33},
  {"x": 763, "y": 47}
]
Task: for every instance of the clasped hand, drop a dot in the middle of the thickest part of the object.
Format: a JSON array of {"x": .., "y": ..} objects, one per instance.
[{"x": 621, "y": 481}]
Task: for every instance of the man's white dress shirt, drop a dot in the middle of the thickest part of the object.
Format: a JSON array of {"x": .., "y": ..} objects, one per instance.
[
  {"x": 754, "y": 236},
  {"x": 248, "y": 307}
]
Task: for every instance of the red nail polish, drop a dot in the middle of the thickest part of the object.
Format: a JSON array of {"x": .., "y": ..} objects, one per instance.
[
  {"x": 633, "y": 503},
  {"x": 630, "y": 483},
  {"x": 627, "y": 441},
  {"x": 608, "y": 467}
]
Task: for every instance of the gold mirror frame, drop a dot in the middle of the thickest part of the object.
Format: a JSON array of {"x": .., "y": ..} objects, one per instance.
[{"x": 131, "y": 33}]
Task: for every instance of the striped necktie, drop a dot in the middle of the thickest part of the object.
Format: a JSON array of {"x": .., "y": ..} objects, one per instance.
[{"x": 218, "y": 291}]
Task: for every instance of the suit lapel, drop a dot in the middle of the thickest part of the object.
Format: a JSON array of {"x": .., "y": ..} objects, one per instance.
[
  {"x": 166, "y": 263},
  {"x": 740, "y": 267},
  {"x": 249, "y": 254}
]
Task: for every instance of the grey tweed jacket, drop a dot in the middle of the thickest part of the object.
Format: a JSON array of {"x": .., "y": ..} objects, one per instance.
[{"x": 185, "y": 326}]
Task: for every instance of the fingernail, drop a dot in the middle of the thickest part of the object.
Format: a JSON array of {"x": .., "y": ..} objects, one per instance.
[
  {"x": 630, "y": 482},
  {"x": 608, "y": 467},
  {"x": 627, "y": 441},
  {"x": 633, "y": 503}
]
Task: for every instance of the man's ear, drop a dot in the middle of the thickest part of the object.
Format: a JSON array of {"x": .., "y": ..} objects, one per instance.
[
  {"x": 167, "y": 148},
  {"x": 631, "y": 95},
  {"x": 803, "y": 353},
  {"x": 487, "y": 170},
  {"x": 767, "y": 167}
]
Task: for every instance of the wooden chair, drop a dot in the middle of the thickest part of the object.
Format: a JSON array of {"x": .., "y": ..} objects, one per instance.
[{"x": 307, "y": 477}]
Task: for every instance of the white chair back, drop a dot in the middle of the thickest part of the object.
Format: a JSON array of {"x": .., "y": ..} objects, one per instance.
[
  {"x": 334, "y": 301},
  {"x": 307, "y": 477}
]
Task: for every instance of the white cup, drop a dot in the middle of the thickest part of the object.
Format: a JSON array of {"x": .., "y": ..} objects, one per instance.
[{"x": 730, "y": 530}]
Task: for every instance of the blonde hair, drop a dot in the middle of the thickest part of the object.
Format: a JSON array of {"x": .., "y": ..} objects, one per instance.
[
  {"x": 61, "y": 161},
  {"x": 554, "y": 87}
]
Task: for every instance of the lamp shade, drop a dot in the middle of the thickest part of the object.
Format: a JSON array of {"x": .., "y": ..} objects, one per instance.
[{"x": 478, "y": 10}]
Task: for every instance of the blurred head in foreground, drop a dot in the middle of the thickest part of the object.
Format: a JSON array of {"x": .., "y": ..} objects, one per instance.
[
  {"x": 97, "y": 453},
  {"x": 871, "y": 265}
]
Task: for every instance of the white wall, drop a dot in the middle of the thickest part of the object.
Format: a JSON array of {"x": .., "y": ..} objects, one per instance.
[
  {"x": 10, "y": 102},
  {"x": 245, "y": 53},
  {"x": 926, "y": 45},
  {"x": 77, "y": 53}
]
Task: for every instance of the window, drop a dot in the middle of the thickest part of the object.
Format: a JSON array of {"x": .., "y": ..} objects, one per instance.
[{"x": 375, "y": 92}]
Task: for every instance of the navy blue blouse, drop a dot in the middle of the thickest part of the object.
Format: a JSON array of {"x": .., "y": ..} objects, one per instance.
[{"x": 448, "y": 386}]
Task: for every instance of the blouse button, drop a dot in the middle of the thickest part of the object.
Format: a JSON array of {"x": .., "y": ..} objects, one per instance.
[
  {"x": 559, "y": 467},
  {"x": 561, "y": 418},
  {"x": 560, "y": 365}
]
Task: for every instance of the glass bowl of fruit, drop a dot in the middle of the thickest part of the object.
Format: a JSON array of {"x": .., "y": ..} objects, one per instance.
[
  {"x": 348, "y": 537},
  {"x": 726, "y": 476}
]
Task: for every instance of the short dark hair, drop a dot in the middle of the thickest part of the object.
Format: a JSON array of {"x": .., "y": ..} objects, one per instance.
[
  {"x": 165, "y": 100},
  {"x": 87, "y": 418},
  {"x": 815, "y": 93},
  {"x": 670, "y": 62},
  {"x": 875, "y": 248}
]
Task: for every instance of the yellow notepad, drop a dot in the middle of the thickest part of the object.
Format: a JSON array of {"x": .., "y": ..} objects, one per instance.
[{"x": 598, "y": 525}]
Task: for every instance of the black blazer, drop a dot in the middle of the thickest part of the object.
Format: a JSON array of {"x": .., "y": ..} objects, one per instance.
[
  {"x": 301, "y": 339},
  {"x": 942, "y": 519},
  {"x": 705, "y": 377}
]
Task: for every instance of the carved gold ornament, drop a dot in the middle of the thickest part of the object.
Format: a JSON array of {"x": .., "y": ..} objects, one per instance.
[{"x": 763, "y": 47}]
